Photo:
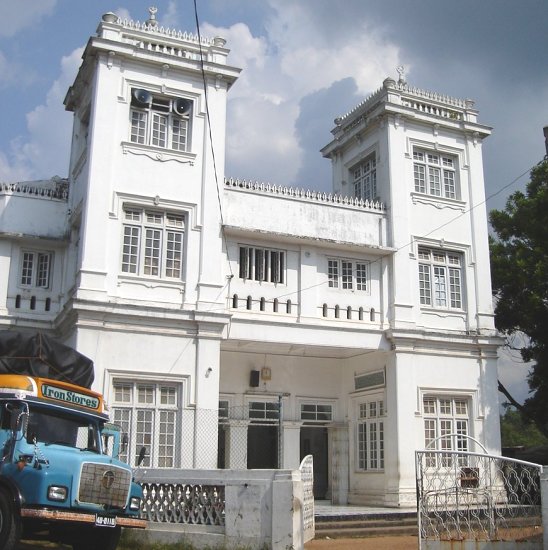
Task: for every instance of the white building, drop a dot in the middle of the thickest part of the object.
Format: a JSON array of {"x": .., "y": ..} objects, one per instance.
[{"x": 243, "y": 325}]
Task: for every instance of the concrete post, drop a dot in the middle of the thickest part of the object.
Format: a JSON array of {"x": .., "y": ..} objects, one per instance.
[{"x": 287, "y": 511}]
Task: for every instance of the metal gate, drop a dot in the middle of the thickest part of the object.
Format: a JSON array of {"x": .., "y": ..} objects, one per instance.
[
  {"x": 307, "y": 476},
  {"x": 466, "y": 498}
]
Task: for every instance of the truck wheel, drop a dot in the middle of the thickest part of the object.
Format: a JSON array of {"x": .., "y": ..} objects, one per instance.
[
  {"x": 98, "y": 538},
  {"x": 10, "y": 524}
]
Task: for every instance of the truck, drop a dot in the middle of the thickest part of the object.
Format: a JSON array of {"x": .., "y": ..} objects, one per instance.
[{"x": 60, "y": 475}]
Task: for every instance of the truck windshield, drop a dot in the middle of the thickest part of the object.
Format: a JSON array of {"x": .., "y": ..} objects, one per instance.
[{"x": 51, "y": 427}]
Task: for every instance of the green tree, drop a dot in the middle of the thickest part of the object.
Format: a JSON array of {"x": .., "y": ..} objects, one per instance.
[
  {"x": 515, "y": 431},
  {"x": 519, "y": 265}
]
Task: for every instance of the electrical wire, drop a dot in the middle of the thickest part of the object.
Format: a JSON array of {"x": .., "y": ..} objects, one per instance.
[{"x": 208, "y": 117}]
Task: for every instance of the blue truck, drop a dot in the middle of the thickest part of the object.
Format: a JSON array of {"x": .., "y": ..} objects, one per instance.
[{"x": 60, "y": 476}]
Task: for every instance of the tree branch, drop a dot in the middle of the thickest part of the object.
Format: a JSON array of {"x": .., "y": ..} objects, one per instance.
[{"x": 513, "y": 402}]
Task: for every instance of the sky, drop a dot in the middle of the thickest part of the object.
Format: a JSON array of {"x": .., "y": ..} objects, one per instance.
[{"x": 304, "y": 63}]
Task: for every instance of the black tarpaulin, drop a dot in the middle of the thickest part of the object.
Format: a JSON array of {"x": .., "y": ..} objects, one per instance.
[{"x": 41, "y": 355}]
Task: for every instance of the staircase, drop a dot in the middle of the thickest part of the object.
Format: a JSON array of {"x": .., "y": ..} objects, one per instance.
[{"x": 368, "y": 524}]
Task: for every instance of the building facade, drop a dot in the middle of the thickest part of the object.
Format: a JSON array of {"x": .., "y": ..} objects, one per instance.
[{"x": 241, "y": 325}]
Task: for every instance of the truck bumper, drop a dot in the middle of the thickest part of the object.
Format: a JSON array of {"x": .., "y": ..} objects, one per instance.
[{"x": 78, "y": 517}]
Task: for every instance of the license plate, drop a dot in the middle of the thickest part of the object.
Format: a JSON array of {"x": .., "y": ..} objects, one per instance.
[{"x": 105, "y": 521}]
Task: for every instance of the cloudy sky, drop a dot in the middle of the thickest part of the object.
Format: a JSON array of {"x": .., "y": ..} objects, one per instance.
[{"x": 304, "y": 63}]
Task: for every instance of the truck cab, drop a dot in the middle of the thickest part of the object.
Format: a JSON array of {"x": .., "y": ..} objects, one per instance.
[{"x": 59, "y": 471}]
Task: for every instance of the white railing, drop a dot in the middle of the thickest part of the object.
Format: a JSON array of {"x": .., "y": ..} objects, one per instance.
[
  {"x": 232, "y": 508},
  {"x": 304, "y": 194}
]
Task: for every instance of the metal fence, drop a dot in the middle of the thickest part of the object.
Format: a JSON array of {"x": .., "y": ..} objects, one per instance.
[
  {"x": 465, "y": 496},
  {"x": 307, "y": 476}
]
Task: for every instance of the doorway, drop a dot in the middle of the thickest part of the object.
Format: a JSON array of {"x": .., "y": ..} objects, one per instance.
[
  {"x": 262, "y": 446},
  {"x": 314, "y": 442}
]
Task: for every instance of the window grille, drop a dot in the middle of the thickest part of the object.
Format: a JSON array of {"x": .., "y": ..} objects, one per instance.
[
  {"x": 150, "y": 414},
  {"x": 35, "y": 269},
  {"x": 153, "y": 243},
  {"x": 347, "y": 274},
  {"x": 262, "y": 264},
  {"x": 365, "y": 179},
  {"x": 316, "y": 412},
  {"x": 160, "y": 121},
  {"x": 435, "y": 174},
  {"x": 371, "y": 435},
  {"x": 440, "y": 278},
  {"x": 445, "y": 418}
]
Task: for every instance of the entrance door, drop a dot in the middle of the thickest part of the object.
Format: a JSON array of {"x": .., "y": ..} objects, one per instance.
[
  {"x": 262, "y": 446},
  {"x": 314, "y": 442}
]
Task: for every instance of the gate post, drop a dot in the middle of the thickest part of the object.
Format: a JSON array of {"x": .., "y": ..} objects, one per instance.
[{"x": 544, "y": 508}]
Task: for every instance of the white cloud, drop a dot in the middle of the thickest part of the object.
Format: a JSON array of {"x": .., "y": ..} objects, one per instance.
[
  {"x": 18, "y": 17},
  {"x": 44, "y": 152},
  {"x": 293, "y": 59}
]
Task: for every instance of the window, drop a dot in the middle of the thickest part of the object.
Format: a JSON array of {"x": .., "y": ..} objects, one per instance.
[
  {"x": 445, "y": 418},
  {"x": 440, "y": 278},
  {"x": 148, "y": 412},
  {"x": 35, "y": 269},
  {"x": 160, "y": 121},
  {"x": 347, "y": 274},
  {"x": 371, "y": 435},
  {"x": 153, "y": 243},
  {"x": 264, "y": 412},
  {"x": 365, "y": 179},
  {"x": 435, "y": 174},
  {"x": 262, "y": 264},
  {"x": 315, "y": 412}
]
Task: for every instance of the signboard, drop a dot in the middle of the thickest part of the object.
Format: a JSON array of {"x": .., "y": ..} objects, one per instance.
[{"x": 70, "y": 396}]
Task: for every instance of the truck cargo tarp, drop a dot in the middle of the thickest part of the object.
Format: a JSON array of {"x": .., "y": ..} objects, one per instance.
[{"x": 41, "y": 355}]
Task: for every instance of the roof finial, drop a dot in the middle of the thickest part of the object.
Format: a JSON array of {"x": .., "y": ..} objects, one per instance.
[
  {"x": 401, "y": 71},
  {"x": 152, "y": 19}
]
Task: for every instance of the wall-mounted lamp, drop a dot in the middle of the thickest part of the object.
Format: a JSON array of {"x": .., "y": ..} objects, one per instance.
[{"x": 208, "y": 372}]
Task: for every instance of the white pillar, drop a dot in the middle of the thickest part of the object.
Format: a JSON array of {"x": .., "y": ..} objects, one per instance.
[
  {"x": 339, "y": 449},
  {"x": 236, "y": 445},
  {"x": 291, "y": 445}
]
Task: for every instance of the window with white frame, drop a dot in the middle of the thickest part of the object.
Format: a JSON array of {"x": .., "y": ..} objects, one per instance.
[
  {"x": 347, "y": 274},
  {"x": 153, "y": 243},
  {"x": 264, "y": 412},
  {"x": 446, "y": 421},
  {"x": 35, "y": 269},
  {"x": 371, "y": 435},
  {"x": 316, "y": 412},
  {"x": 149, "y": 413},
  {"x": 160, "y": 121},
  {"x": 440, "y": 278},
  {"x": 364, "y": 179},
  {"x": 262, "y": 264},
  {"x": 435, "y": 174}
]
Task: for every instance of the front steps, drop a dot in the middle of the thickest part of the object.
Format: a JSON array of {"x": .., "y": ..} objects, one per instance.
[{"x": 369, "y": 524}]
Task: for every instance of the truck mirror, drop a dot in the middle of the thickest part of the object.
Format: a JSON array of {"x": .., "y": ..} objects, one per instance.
[{"x": 142, "y": 454}]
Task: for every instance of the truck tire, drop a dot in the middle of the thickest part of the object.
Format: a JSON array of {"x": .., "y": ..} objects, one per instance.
[
  {"x": 98, "y": 538},
  {"x": 10, "y": 523}
]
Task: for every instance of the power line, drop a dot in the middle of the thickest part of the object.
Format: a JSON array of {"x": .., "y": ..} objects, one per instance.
[{"x": 204, "y": 80}]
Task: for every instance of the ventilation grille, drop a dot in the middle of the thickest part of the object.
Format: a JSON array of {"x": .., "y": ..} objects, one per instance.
[{"x": 104, "y": 484}]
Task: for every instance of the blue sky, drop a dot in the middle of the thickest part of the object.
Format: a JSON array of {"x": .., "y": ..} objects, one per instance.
[{"x": 304, "y": 63}]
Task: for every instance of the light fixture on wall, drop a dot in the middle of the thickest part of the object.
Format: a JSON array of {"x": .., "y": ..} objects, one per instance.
[
  {"x": 266, "y": 374},
  {"x": 208, "y": 372}
]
